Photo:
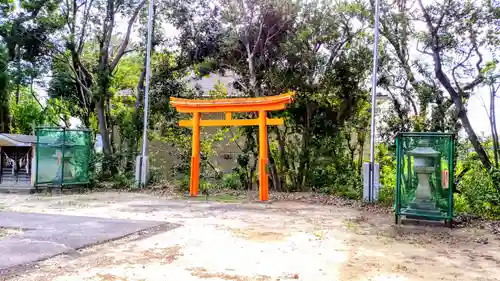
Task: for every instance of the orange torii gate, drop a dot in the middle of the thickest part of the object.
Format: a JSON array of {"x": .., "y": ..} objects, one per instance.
[{"x": 261, "y": 105}]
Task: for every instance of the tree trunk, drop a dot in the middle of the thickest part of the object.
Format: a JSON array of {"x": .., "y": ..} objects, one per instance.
[
  {"x": 361, "y": 146},
  {"x": 254, "y": 92},
  {"x": 493, "y": 123},
  {"x": 476, "y": 143},
  {"x": 284, "y": 168},
  {"x": 462, "y": 113},
  {"x": 2, "y": 119},
  {"x": 456, "y": 95},
  {"x": 83, "y": 85},
  {"x": 103, "y": 130},
  {"x": 110, "y": 125},
  {"x": 275, "y": 177},
  {"x": 140, "y": 88},
  {"x": 304, "y": 158},
  {"x": 251, "y": 172},
  {"x": 18, "y": 74},
  {"x": 18, "y": 92},
  {"x": 351, "y": 148},
  {"x": 4, "y": 113}
]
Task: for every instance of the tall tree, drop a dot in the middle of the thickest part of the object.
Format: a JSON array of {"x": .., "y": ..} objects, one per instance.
[
  {"x": 418, "y": 101},
  {"x": 26, "y": 31},
  {"x": 95, "y": 21},
  {"x": 456, "y": 36},
  {"x": 492, "y": 71},
  {"x": 326, "y": 62}
]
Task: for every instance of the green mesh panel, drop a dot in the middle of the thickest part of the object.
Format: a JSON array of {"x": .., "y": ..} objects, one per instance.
[
  {"x": 62, "y": 156},
  {"x": 439, "y": 204}
]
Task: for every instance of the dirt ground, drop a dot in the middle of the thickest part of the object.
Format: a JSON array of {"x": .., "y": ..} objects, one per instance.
[{"x": 254, "y": 241}]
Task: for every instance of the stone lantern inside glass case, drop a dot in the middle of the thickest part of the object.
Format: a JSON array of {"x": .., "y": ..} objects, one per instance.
[{"x": 423, "y": 159}]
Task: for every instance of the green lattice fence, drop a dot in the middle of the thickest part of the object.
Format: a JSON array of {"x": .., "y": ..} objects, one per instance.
[
  {"x": 424, "y": 176},
  {"x": 62, "y": 157}
]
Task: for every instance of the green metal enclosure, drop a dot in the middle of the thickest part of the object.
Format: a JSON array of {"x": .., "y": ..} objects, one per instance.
[
  {"x": 424, "y": 176},
  {"x": 62, "y": 157}
]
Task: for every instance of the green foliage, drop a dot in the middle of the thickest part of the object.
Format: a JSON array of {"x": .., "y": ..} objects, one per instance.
[
  {"x": 183, "y": 184},
  {"x": 205, "y": 187},
  {"x": 334, "y": 175},
  {"x": 332, "y": 179},
  {"x": 479, "y": 194},
  {"x": 25, "y": 49},
  {"x": 387, "y": 162},
  {"x": 155, "y": 175},
  {"x": 477, "y": 186},
  {"x": 494, "y": 174},
  {"x": 231, "y": 181},
  {"x": 63, "y": 87},
  {"x": 461, "y": 206},
  {"x": 27, "y": 36},
  {"x": 124, "y": 180},
  {"x": 128, "y": 72},
  {"x": 28, "y": 113}
]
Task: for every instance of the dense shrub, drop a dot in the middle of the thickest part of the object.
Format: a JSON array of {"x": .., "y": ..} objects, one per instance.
[
  {"x": 231, "y": 181},
  {"x": 341, "y": 181},
  {"x": 387, "y": 162},
  {"x": 478, "y": 196},
  {"x": 123, "y": 180}
]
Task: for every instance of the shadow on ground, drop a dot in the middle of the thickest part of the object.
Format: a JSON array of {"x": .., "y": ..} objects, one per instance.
[{"x": 46, "y": 235}]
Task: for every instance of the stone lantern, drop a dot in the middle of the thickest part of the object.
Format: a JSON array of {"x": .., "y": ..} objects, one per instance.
[
  {"x": 420, "y": 192},
  {"x": 424, "y": 161}
]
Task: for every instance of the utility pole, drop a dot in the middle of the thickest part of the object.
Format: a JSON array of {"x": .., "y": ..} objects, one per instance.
[
  {"x": 142, "y": 165},
  {"x": 371, "y": 177}
]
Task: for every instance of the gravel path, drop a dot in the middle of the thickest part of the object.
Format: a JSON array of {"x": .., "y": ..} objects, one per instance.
[{"x": 253, "y": 241}]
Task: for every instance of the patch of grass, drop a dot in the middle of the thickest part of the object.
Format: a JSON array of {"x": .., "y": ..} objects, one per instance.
[
  {"x": 349, "y": 224},
  {"x": 319, "y": 234}
]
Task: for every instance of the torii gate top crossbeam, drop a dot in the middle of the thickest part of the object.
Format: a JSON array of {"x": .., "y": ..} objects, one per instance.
[{"x": 270, "y": 103}]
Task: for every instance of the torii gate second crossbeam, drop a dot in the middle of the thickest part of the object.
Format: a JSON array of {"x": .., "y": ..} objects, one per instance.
[{"x": 261, "y": 105}]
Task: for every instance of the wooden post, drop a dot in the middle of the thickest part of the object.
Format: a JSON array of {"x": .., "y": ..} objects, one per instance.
[
  {"x": 195, "y": 156},
  {"x": 33, "y": 161},
  {"x": 263, "y": 181}
]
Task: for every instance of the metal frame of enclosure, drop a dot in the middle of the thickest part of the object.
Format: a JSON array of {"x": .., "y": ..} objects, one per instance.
[
  {"x": 62, "y": 157},
  {"x": 424, "y": 162}
]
